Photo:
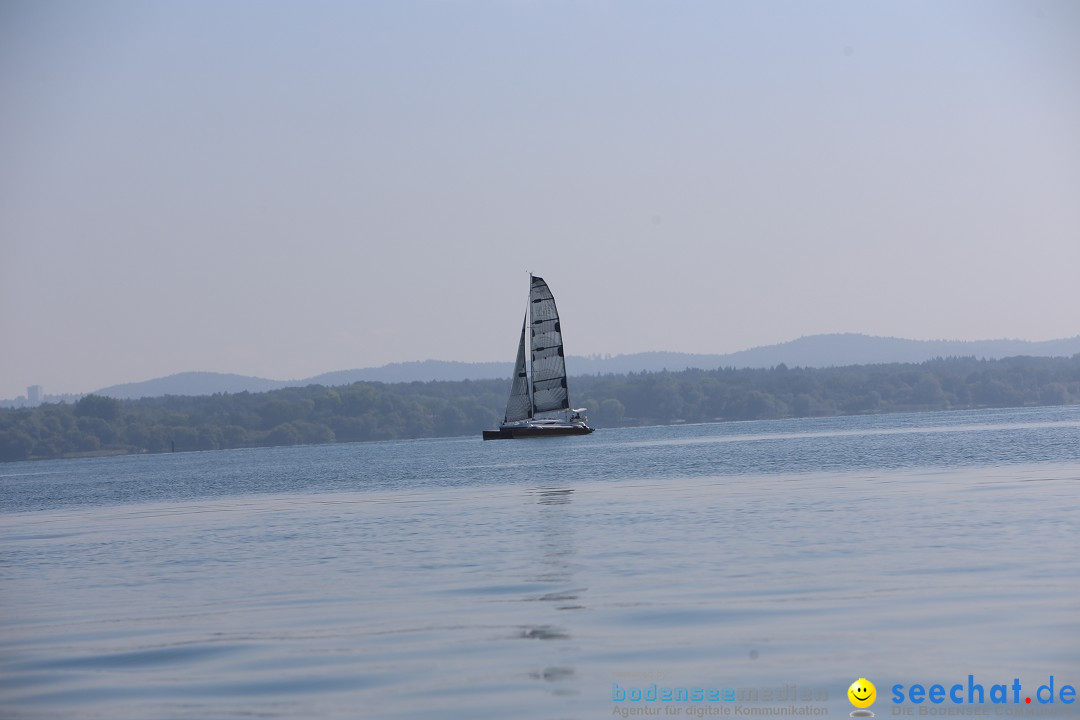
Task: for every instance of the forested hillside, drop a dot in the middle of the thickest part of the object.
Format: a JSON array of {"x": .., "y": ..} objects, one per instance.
[{"x": 376, "y": 411}]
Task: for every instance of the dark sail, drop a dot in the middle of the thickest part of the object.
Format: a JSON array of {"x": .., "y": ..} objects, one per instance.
[
  {"x": 548, "y": 362},
  {"x": 519, "y": 407}
]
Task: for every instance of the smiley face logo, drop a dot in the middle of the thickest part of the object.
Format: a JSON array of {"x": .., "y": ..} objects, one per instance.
[{"x": 862, "y": 693}]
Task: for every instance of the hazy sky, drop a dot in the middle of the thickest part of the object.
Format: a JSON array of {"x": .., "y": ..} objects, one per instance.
[{"x": 287, "y": 188}]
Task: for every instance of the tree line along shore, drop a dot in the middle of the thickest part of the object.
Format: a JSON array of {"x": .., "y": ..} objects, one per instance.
[{"x": 98, "y": 425}]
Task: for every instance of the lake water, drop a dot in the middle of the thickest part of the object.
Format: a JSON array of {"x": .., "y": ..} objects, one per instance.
[{"x": 541, "y": 578}]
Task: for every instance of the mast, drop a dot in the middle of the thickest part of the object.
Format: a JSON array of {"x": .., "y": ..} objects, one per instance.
[{"x": 528, "y": 353}]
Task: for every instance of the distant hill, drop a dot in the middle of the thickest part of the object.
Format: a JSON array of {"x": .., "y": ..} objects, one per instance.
[
  {"x": 424, "y": 370},
  {"x": 209, "y": 383},
  {"x": 193, "y": 383},
  {"x": 855, "y": 349},
  {"x": 820, "y": 351},
  {"x": 809, "y": 351}
]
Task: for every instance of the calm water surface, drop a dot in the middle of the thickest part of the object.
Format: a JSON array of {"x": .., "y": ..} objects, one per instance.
[{"x": 462, "y": 579}]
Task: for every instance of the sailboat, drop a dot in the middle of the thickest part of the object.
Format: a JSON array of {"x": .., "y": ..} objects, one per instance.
[{"x": 539, "y": 404}]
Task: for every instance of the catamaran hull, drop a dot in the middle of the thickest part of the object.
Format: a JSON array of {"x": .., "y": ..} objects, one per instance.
[{"x": 512, "y": 433}]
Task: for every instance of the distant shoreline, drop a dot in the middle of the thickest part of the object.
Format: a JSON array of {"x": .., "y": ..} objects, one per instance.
[{"x": 316, "y": 414}]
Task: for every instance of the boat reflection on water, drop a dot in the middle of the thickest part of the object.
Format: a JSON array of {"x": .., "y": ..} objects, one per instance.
[{"x": 555, "y": 566}]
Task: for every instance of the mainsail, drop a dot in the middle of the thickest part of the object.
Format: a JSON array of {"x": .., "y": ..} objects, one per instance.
[
  {"x": 519, "y": 406},
  {"x": 548, "y": 362}
]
